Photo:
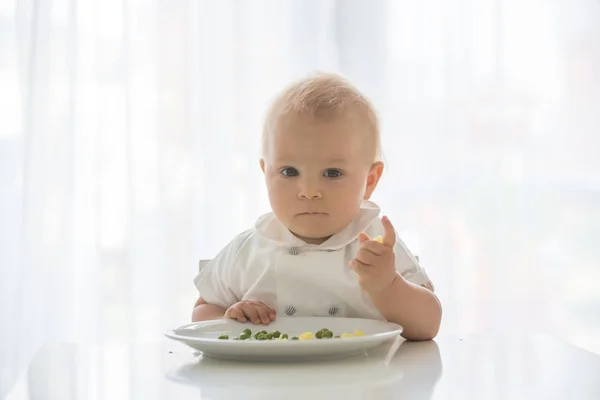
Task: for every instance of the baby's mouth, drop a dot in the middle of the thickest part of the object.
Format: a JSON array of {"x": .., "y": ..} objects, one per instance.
[{"x": 312, "y": 214}]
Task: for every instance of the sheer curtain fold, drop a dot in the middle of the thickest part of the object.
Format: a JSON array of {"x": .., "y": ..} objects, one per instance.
[{"x": 129, "y": 146}]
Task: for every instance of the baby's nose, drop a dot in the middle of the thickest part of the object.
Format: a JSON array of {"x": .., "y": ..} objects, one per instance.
[
  {"x": 309, "y": 191},
  {"x": 310, "y": 196}
]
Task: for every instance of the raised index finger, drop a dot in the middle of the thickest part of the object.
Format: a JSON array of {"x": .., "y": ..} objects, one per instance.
[{"x": 389, "y": 236}]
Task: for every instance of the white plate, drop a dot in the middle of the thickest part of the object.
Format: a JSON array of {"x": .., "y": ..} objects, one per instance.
[{"x": 203, "y": 336}]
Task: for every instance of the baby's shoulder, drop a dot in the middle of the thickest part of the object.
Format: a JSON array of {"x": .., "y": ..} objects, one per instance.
[
  {"x": 244, "y": 237},
  {"x": 248, "y": 243},
  {"x": 244, "y": 240},
  {"x": 239, "y": 248}
]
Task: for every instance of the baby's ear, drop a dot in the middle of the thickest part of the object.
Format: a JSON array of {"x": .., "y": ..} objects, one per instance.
[
  {"x": 373, "y": 179},
  {"x": 262, "y": 165}
]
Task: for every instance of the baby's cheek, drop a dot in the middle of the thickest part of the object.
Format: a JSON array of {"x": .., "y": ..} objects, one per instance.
[
  {"x": 280, "y": 195},
  {"x": 283, "y": 188}
]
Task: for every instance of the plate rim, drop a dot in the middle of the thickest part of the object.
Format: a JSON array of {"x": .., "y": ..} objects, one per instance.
[{"x": 171, "y": 334}]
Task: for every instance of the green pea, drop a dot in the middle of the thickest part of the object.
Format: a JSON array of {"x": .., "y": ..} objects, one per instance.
[
  {"x": 276, "y": 334},
  {"x": 295, "y": 338},
  {"x": 247, "y": 332},
  {"x": 284, "y": 336},
  {"x": 321, "y": 333},
  {"x": 224, "y": 337}
]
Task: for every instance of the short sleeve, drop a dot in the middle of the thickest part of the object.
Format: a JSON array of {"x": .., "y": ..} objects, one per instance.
[
  {"x": 217, "y": 282},
  {"x": 408, "y": 266}
]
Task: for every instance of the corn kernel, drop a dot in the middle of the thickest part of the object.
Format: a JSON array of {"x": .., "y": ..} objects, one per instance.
[
  {"x": 378, "y": 238},
  {"x": 306, "y": 336},
  {"x": 358, "y": 333}
]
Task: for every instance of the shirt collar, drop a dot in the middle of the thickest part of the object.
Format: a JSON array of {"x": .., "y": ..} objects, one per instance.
[{"x": 270, "y": 228}]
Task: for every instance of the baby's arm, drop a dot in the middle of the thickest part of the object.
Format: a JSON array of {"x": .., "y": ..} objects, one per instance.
[
  {"x": 218, "y": 282},
  {"x": 204, "y": 311},
  {"x": 221, "y": 293},
  {"x": 413, "y": 285},
  {"x": 254, "y": 311},
  {"x": 403, "y": 294},
  {"x": 414, "y": 307}
]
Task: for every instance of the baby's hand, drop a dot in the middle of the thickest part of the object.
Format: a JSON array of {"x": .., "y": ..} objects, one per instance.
[
  {"x": 255, "y": 311},
  {"x": 375, "y": 261}
]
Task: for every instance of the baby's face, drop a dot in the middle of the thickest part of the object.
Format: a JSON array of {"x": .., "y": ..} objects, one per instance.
[{"x": 318, "y": 172}]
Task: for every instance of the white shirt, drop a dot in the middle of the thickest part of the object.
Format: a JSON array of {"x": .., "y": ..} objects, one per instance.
[{"x": 270, "y": 264}]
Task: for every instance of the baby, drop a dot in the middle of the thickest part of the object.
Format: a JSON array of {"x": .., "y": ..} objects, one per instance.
[{"x": 324, "y": 250}]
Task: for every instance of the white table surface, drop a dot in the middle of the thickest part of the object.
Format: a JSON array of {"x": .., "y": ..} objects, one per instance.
[{"x": 470, "y": 367}]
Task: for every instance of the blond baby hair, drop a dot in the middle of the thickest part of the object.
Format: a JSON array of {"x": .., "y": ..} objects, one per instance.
[{"x": 322, "y": 95}]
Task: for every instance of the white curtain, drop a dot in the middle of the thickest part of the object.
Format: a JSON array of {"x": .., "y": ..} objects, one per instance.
[{"x": 129, "y": 150}]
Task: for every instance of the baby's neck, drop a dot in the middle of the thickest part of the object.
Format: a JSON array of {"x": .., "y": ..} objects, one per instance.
[{"x": 312, "y": 240}]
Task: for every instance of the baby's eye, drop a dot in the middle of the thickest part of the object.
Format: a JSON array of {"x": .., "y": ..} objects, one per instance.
[
  {"x": 332, "y": 173},
  {"x": 289, "y": 172}
]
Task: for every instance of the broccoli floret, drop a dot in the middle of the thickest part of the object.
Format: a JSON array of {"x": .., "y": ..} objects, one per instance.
[{"x": 224, "y": 337}]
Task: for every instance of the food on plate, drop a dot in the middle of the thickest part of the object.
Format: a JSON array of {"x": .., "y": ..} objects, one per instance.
[
  {"x": 306, "y": 336},
  {"x": 324, "y": 333}
]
